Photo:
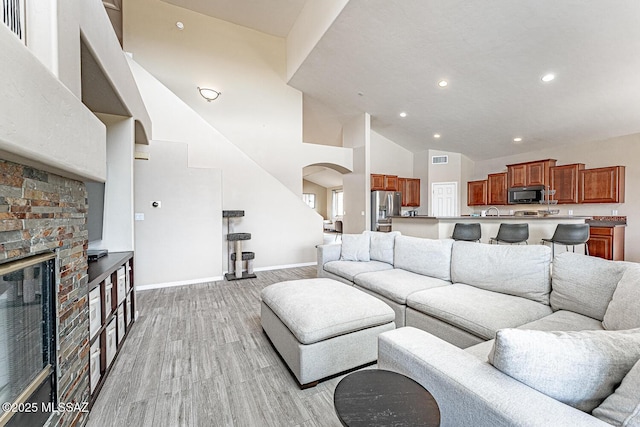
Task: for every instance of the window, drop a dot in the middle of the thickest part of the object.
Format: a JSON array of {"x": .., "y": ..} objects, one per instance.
[
  {"x": 337, "y": 203},
  {"x": 12, "y": 14},
  {"x": 309, "y": 199}
]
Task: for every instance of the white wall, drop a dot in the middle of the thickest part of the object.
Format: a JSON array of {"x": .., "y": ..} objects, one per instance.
[
  {"x": 42, "y": 124},
  {"x": 321, "y": 197},
  {"x": 118, "y": 198},
  {"x": 315, "y": 19},
  {"x": 175, "y": 242},
  {"x": 257, "y": 110},
  {"x": 320, "y": 124},
  {"x": 389, "y": 158},
  {"x": 623, "y": 151},
  {"x": 421, "y": 165},
  {"x": 357, "y": 185},
  {"x": 284, "y": 230}
]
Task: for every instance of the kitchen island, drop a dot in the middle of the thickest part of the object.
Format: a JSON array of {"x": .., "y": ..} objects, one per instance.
[{"x": 540, "y": 227}]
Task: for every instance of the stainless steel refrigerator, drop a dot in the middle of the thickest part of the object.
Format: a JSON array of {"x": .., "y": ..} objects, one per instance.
[{"x": 384, "y": 204}]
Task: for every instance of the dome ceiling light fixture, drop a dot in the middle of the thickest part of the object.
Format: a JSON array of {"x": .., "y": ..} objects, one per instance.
[
  {"x": 548, "y": 77},
  {"x": 209, "y": 94},
  {"x": 443, "y": 83}
]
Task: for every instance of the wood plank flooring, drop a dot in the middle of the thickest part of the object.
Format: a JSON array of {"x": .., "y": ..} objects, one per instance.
[{"x": 197, "y": 356}]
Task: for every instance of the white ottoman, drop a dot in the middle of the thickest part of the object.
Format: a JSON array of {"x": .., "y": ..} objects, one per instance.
[{"x": 322, "y": 327}]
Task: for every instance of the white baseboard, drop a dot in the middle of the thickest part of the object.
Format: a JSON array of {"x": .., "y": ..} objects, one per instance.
[
  {"x": 282, "y": 267},
  {"x": 178, "y": 283},
  {"x": 216, "y": 279}
]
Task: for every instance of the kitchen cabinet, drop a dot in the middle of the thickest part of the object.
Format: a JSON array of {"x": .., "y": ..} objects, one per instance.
[
  {"x": 606, "y": 242},
  {"x": 529, "y": 173},
  {"x": 497, "y": 189},
  {"x": 602, "y": 185},
  {"x": 391, "y": 182},
  {"x": 564, "y": 180},
  {"x": 410, "y": 188},
  {"x": 377, "y": 182},
  {"x": 477, "y": 193},
  {"x": 384, "y": 182}
]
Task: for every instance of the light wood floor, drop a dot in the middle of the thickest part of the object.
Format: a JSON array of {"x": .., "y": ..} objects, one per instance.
[{"x": 197, "y": 356}]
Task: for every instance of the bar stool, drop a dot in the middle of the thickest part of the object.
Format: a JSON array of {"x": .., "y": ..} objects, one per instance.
[
  {"x": 338, "y": 229},
  {"x": 467, "y": 232},
  {"x": 569, "y": 235},
  {"x": 512, "y": 233}
]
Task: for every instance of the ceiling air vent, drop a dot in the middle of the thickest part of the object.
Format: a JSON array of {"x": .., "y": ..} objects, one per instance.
[{"x": 439, "y": 160}]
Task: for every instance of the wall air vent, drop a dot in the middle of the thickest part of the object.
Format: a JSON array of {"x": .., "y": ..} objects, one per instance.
[{"x": 439, "y": 160}]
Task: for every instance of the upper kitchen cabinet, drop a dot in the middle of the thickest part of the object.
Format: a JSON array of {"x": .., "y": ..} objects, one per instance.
[
  {"x": 477, "y": 193},
  {"x": 497, "y": 189},
  {"x": 377, "y": 182},
  {"x": 564, "y": 180},
  {"x": 384, "y": 182},
  {"x": 602, "y": 185},
  {"x": 529, "y": 173},
  {"x": 410, "y": 188},
  {"x": 391, "y": 183}
]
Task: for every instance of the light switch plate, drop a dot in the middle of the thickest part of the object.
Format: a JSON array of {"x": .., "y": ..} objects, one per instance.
[{"x": 139, "y": 216}]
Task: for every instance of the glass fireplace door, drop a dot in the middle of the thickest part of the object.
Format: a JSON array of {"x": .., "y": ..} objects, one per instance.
[{"x": 27, "y": 332}]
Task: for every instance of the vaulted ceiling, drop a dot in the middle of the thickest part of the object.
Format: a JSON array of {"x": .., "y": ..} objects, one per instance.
[{"x": 385, "y": 57}]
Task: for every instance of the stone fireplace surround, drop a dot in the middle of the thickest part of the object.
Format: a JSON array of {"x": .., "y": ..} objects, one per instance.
[{"x": 39, "y": 212}]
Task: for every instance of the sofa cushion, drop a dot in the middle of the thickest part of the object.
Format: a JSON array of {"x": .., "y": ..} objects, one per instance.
[
  {"x": 622, "y": 408},
  {"x": 350, "y": 269},
  {"x": 381, "y": 245},
  {"x": 563, "y": 320},
  {"x": 428, "y": 257},
  {"x": 623, "y": 311},
  {"x": 318, "y": 309},
  {"x": 397, "y": 284},
  {"x": 584, "y": 284},
  {"x": 579, "y": 369},
  {"x": 558, "y": 321},
  {"x": 475, "y": 310},
  {"x": 519, "y": 270},
  {"x": 355, "y": 247}
]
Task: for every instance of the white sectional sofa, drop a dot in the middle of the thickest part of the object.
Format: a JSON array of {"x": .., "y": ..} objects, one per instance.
[{"x": 456, "y": 297}]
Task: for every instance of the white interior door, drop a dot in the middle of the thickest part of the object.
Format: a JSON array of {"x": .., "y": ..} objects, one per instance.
[{"x": 444, "y": 199}]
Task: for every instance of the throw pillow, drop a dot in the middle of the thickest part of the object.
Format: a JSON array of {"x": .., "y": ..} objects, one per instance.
[
  {"x": 622, "y": 408},
  {"x": 579, "y": 369},
  {"x": 355, "y": 247},
  {"x": 623, "y": 311},
  {"x": 382, "y": 245},
  {"x": 429, "y": 257}
]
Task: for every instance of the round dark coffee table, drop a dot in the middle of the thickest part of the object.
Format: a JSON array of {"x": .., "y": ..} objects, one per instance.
[{"x": 374, "y": 397}]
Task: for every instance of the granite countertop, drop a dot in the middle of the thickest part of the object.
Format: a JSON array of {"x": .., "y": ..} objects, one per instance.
[
  {"x": 595, "y": 220},
  {"x": 494, "y": 217},
  {"x": 607, "y": 221}
]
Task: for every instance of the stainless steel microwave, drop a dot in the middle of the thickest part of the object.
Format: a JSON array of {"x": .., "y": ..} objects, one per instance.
[{"x": 525, "y": 195}]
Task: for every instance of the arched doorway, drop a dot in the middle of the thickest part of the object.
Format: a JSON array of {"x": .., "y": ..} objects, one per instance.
[{"x": 322, "y": 190}]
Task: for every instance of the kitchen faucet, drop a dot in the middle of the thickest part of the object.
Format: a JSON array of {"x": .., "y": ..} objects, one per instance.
[{"x": 493, "y": 207}]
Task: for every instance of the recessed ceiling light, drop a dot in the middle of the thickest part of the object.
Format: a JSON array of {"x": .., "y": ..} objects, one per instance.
[
  {"x": 443, "y": 83},
  {"x": 548, "y": 77},
  {"x": 403, "y": 114},
  {"x": 436, "y": 135},
  {"x": 517, "y": 139},
  {"x": 180, "y": 25}
]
